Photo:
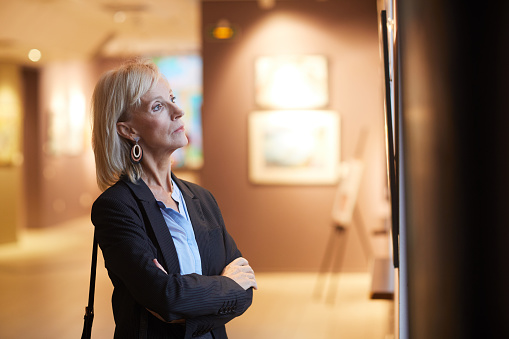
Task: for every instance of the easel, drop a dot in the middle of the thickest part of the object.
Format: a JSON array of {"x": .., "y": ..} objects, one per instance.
[{"x": 344, "y": 209}]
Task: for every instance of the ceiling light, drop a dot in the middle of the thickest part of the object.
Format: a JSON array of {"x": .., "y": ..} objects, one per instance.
[
  {"x": 34, "y": 55},
  {"x": 119, "y": 17}
]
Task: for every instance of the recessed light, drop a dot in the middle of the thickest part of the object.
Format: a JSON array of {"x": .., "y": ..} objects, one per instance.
[{"x": 34, "y": 55}]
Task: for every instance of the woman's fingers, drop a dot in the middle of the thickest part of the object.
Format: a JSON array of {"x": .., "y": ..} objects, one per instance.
[
  {"x": 240, "y": 272},
  {"x": 159, "y": 266},
  {"x": 240, "y": 261}
]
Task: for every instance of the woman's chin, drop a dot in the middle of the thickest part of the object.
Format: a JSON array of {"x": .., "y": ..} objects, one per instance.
[
  {"x": 181, "y": 143},
  {"x": 185, "y": 141}
]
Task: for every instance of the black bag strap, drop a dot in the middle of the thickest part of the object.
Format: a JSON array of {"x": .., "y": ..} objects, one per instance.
[{"x": 89, "y": 310}]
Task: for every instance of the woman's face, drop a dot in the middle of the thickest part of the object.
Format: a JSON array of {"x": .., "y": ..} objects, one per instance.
[{"x": 157, "y": 122}]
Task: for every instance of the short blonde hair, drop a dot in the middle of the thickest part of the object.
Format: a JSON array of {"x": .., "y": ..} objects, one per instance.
[{"x": 115, "y": 96}]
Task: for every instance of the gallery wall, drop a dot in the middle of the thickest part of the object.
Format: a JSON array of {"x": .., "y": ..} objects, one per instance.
[
  {"x": 11, "y": 119},
  {"x": 286, "y": 227},
  {"x": 59, "y": 170},
  {"x": 277, "y": 227}
]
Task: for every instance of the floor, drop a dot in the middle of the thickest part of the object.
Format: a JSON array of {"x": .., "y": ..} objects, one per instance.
[{"x": 44, "y": 282}]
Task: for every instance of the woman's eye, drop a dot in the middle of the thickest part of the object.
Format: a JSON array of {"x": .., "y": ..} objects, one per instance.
[{"x": 157, "y": 108}]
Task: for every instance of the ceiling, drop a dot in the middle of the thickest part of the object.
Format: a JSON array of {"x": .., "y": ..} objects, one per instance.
[{"x": 83, "y": 29}]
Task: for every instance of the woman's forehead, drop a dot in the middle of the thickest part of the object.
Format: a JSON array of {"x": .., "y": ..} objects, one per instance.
[{"x": 161, "y": 88}]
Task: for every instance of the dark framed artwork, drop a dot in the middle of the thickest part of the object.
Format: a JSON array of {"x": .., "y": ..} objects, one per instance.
[{"x": 391, "y": 127}]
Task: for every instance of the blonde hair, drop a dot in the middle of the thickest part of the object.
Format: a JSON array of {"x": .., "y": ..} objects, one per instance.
[{"x": 115, "y": 96}]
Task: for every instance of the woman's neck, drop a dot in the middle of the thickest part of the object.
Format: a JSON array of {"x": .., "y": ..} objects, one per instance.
[{"x": 157, "y": 174}]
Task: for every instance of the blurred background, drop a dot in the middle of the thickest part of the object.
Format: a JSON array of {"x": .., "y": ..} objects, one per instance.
[
  {"x": 285, "y": 107},
  {"x": 52, "y": 53}
]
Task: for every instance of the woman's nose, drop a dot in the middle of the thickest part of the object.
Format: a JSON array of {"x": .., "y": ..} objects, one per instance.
[{"x": 177, "y": 113}]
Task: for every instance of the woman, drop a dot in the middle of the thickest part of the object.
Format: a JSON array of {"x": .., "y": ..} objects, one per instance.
[{"x": 176, "y": 271}]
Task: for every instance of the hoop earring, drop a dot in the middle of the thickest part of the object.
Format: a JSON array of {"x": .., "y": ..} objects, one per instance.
[{"x": 136, "y": 152}]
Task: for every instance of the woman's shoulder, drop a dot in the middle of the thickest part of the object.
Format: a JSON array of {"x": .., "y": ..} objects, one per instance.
[
  {"x": 117, "y": 201},
  {"x": 126, "y": 192},
  {"x": 120, "y": 188}
]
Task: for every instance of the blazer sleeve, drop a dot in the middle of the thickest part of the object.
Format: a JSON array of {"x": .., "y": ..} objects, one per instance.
[
  {"x": 229, "y": 310},
  {"x": 128, "y": 252}
]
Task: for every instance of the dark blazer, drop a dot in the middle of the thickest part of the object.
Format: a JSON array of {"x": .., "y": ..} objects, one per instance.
[{"x": 131, "y": 232}]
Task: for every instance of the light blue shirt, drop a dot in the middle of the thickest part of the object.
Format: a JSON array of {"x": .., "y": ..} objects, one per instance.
[{"x": 182, "y": 232}]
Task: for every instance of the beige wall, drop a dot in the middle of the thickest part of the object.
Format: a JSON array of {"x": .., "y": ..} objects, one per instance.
[{"x": 286, "y": 228}]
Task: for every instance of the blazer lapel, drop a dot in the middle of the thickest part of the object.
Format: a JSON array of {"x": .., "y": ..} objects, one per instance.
[
  {"x": 156, "y": 222},
  {"x": 198, "y": 221}
]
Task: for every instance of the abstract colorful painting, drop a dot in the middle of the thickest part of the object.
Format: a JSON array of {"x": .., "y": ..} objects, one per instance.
[{"x": 184, "y": 72}]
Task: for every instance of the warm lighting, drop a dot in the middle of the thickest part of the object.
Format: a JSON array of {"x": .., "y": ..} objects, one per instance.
[
  {"x": 223, "y": 30},
  {"x": 76, "y": 109},
  {"x": 266, "y": 4},
  {"x": 293, "y": 81},
  {"x": 11, "y": 115},
  {"x": 59, "y": 205},
  {"x": 86, "y": 200},
  {"x": 119, "y": 17},
  {"x": 294, "y": 147},
  {"x": 67, "y": 119},
  {"x": 34, "y": 55}
]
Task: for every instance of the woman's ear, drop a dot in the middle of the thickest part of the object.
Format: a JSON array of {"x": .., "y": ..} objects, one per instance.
[{"x": 124, "y": 130}]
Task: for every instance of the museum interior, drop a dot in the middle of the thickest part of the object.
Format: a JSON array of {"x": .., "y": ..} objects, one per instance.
[{"x": 357, "y": 150}]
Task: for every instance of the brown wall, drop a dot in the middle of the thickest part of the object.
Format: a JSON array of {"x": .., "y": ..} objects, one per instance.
[
  {"x": 59, "y": 187},
  {"x": 278, "y": 228},
  {"x": 285, "y": 228}
]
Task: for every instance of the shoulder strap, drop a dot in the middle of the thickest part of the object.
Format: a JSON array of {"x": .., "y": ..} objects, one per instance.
[{"x": 89, "y": 310}]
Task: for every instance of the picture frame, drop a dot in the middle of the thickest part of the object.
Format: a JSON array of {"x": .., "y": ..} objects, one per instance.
[
  {"x": 294, "y": 147},
  {"x": 391, "y": 129},
  {"x": 291, "y": 82}
]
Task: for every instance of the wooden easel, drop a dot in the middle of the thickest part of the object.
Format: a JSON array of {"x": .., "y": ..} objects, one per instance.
[{"x": 344, "y": 209}]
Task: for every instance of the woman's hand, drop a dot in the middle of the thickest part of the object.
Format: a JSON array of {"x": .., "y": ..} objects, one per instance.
[
  {"x": 240, "y": 272},
  {"x": 159, "y": 266}
]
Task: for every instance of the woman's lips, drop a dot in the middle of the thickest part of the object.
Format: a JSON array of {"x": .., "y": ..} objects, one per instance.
[{"x": 180, "y": 129}]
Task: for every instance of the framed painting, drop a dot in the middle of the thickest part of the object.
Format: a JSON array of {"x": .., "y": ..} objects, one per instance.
[
  {"x": 387, "y": 46},
  {"x": 291, "y": 82},
  {"x": 294, "y": 147}
]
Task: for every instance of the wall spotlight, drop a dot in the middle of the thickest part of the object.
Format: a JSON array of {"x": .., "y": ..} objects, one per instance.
[{"x": 223, "y": 30}]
